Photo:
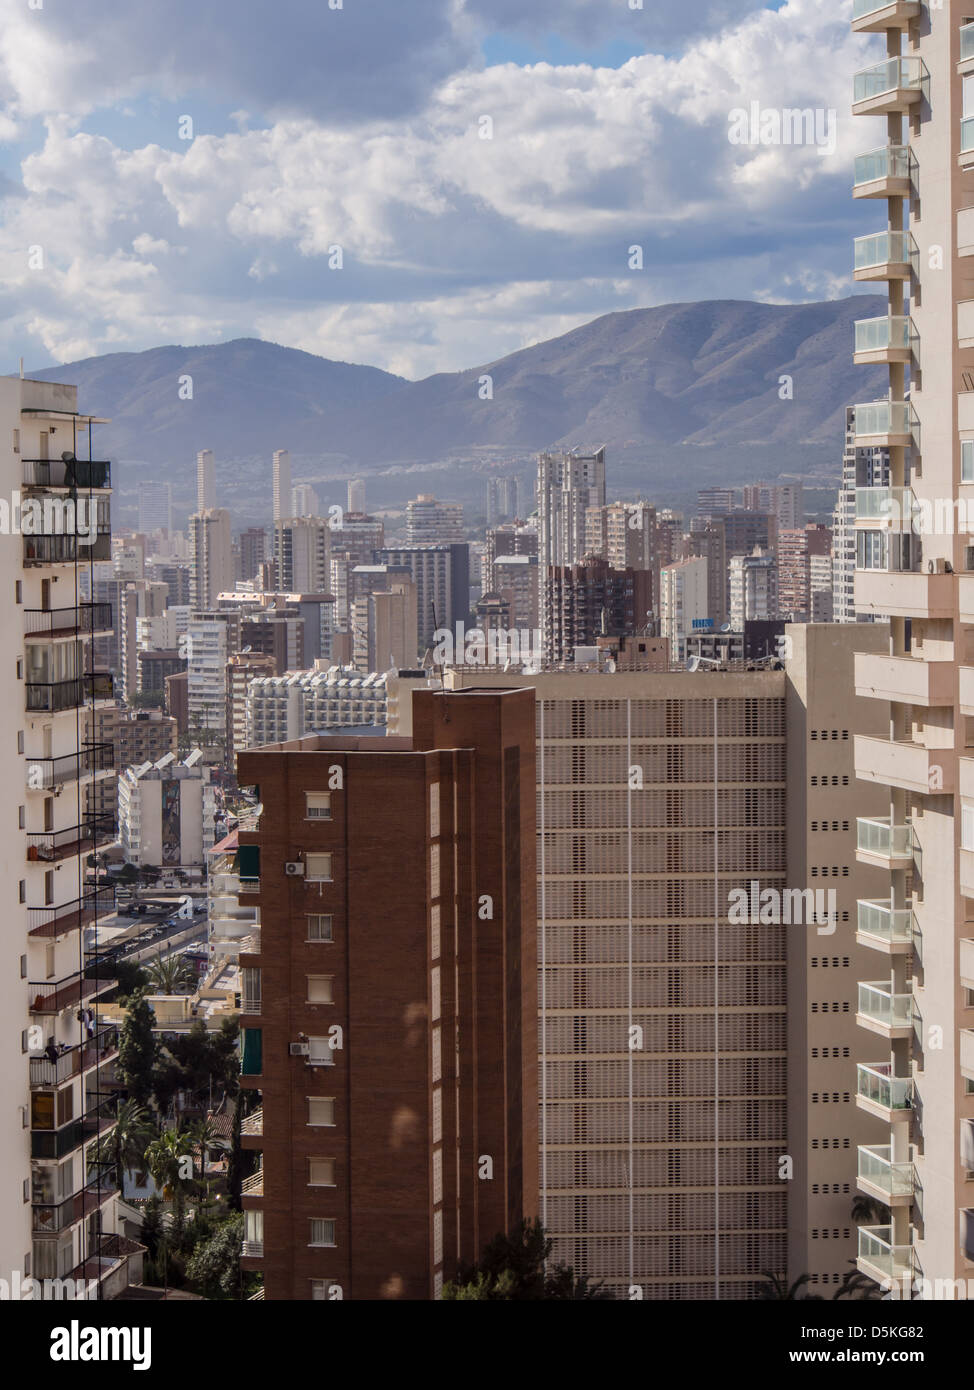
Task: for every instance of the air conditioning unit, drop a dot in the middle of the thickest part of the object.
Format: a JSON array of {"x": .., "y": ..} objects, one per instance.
[
  {"x": 299, "y": 1049},
  {"x": 295, "y": 869}
]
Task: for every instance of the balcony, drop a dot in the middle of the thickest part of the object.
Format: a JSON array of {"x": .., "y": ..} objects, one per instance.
[
  {"x": 75, "y": 1061},
  {"x": 74, "y": 474},
  {"x": 51, "y": 846},
  {"x": 905, "y": 593},
  {"x": 252, "y": 1249},
  {"x": 874, "y": 16},
  {"x": 890, "y": 1015},
  {"x": 893, "y": 85},
  {"x": 879, "y": 1177},
  {"x": 254, "y": 1185},
  {"x": 57, "y": 1143},
  {"x": 884, "y": 256},
  {"x": 885, "y": 506},
  {"x": 886, "y": 424},
  {"x": 967, "y": 963},
  {"x": 43, "y": 774},
  {"x": 905, "y": 679},
  {"x": 50, "y": 697},
  {"x": 881, "y": 1094},
  {"x": 250, "y": 1005},
  {"x": 249, "y": 945},
  {"x": 880, "y": 842},
  {"x": 70, "y": 990},
  {"x": 253, "y": 1125},
  {"x": 64, "y": 549},
  {"x": 50, "y": 1218},
  {"x": 966, "y": 157},
  {"x": 879, "y": 1259},
  {"x": 892, "y": 338},
  {"x": 966, "y": 873},
  {"x": 899, "y": 763},
  {"x": 967, "y": 1053},
  {"x": 883, "y": 927},
  {"x": 84, "y": 619},
  {"x": 58, "y": 919}
]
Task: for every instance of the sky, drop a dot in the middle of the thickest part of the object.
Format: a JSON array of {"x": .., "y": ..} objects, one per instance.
[{"x": 420, "y": 185}]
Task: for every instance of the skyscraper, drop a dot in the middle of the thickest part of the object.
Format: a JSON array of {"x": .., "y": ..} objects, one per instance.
[
  {"x": 205, "y": 481},
  {"x": 211, "y": 557},
  {"x": 155, "y": 507},
  {"x": 282, "y": 484}
]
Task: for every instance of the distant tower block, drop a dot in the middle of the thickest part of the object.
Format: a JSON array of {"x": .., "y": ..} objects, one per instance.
[
  {"x": 356, "y": 495},
  {"x": 282, "y": 484},
  {"x": 205, "y": 481}
]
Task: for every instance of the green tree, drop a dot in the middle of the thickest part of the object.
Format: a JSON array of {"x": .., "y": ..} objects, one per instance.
[
  {"x": 124, "y": 1146},
  {"x": 214, "y": 1267},
  {"x": 171, "y": 974},
  {"x": 151, "y": 1232},
  {"x": 130, "y": 977},
  {"x": 775, "y": 1288},
  {"x": 202, "y": 1132},
  {"x": 137, "y": 1048},
  {"x": 869, "y": 1211},
  {"x": 515, "y": 1267},
  {"x": 235, "y": 1173},
  {"x": 169, "y": 1159}
]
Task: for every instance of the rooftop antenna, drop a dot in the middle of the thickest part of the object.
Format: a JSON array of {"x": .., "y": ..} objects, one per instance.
[{"x": 21, "y": 369}]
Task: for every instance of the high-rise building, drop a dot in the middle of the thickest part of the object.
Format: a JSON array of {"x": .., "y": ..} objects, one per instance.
[
  {"x": 166, "y": 813},
  {"x": 866, "y": 467},
  {"x": 568, "y": 485},
  {"x": 753, "y": 589},
  {"x": 697, "y": 982},
  {"x": 707, "y": 540},
  {"x": 441, "y": 574},
  {"x": 302, "y": 547},
  {"x": 58, "y": 1206},
  {"x": 205, "y": 481},
  {"x": 211, "y": 552},
  {"x": 795, "y": 550},
  {"x": 915, "y": 1067},
  {"x": 136, "y": 736},
  {"x": 241, "y": 670},
  {"x": 140, "y": 599},
  {"x": 213, "y": 637},
  {"x": 251, "y": 545},
  {"x": 429, "y": 522},
  {"x": 590, "y": 600},
  {"x": 282, "y": 485},
  {"x": 155, "y": 507},
  {"x": 684, "y": 602},
  {"x": 503, "y": 498},
  {"x": 304, "y": 500},
  {"x": 356, "y": 495},
  {"x": 282, "y": 708},
  {"x": 398, "y": 1087}
]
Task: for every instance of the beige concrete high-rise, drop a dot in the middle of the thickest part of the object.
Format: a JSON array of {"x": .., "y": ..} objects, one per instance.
[
  {"x": 283, "y": 502},
  {"x": 913, "y": 563},
  {"x": 211, "y": 555},
  {"x": 57, "y": 1208},
  {"x": 205, "y": 481}
]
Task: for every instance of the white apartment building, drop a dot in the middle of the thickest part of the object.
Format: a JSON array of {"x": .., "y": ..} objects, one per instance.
[
  {"x": 205, "y": 481},
  {"x": 684, "y": 600},
  {"x": 165, "y": 812},
  {"x": 281, "y": 468},
  {"x": 302, "y": 549},
  {"x": 281, "y": 708},
  {"x": 914, "y": 562},
  {"x": 211, "y": 556},
  {"x": 304, "y": 500},
  {"x": 429, "y": 522},
  {"x": 753, "y": 589},
  {"x": 211, "y": 639},
  {"x": 58, "y": 1215}
]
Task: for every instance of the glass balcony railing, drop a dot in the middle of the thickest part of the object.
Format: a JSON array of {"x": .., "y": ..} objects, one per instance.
[
  {"x": 881, "y": 920},
  {"x": 893, "y": 504},
  {"x": 880, "y": 837},
  {"x": 966, "y": 41},
  {"x": 888, "y": 162},
  {"x": 884, "y": 248},
  {"x": 876, "y": 1084},
  {"x": 876, "y": 335},
  {"x": 966, "y": 134},
  {"x": 876, "y": 1247},
  {"x": 885, "y": 417},
  {"x": 892, "y": 75},
  {"x": 876, "y": 1002},
  {"x": 875, "y": 1167}
]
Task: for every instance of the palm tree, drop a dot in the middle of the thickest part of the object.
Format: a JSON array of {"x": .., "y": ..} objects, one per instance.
[
  {"x": 869, "y": 1211},
  {"x": 166, "y": 1160},
  {"x": 203, "y": 1135},
  {"x": 172, "y": 975},
  {"x": 125, "y": 1146},
  {"x": 776, "y": 1288}
]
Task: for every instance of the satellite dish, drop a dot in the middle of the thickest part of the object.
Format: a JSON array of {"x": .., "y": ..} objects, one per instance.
[{"x": 693, "y": 664}]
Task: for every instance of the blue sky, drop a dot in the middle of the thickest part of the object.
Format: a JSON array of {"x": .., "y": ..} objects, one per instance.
[{"x": 338, "y": 194}]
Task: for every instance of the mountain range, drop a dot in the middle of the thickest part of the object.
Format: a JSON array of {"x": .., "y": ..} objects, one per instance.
[{"x": 681, "y": 395}]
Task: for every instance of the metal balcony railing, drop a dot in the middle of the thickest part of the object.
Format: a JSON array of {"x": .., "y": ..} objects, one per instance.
[
  {"x": 74, "y": 1060},
  {"x": 45, "y": 773},
  {"x": 52, "y": 845},
  {"x": 254, "y": 1185},
  {"x": 74, "y": 473},
  {"x": 254, "y": 1123},
  {"x": 63, "y": 917},
  {"x": 60, "y": 622},
  {"x": 48, "y": 1218}
]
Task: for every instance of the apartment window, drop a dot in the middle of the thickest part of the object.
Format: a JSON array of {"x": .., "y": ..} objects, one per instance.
[
  {"x": 320, "y": 989},
  {"x": 320, "y": 1054},
  {"x": 320, "y": 928},
  {"x": 317, "y": 806},
  {"x": 322, "y": 1232},
  {"x": 317, "y": 868},
  {"x": 321, "y": 1110},
  {"x": 434, "y": 810},
  {"x": 321, "y": 1172},
  {"x": 967, "y": 461}
]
